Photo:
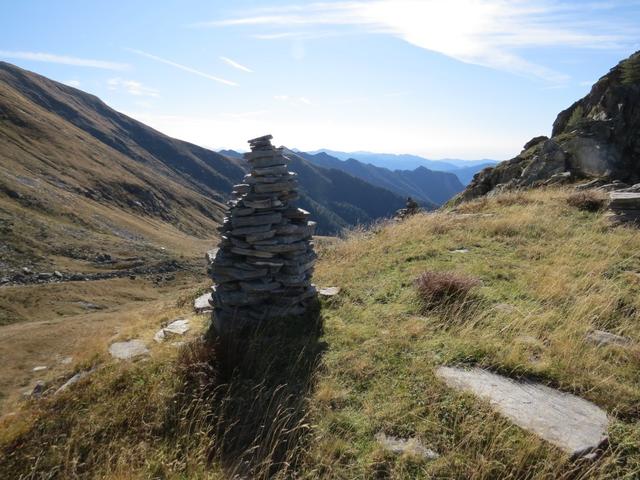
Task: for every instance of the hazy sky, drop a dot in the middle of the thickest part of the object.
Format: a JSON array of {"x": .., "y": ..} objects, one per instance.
[{"x": 439, "y": 78}]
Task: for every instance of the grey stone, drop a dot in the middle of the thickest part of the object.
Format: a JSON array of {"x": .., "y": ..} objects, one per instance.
[
  {"x": 402, "y": 446},
  {"x": 57, "y": 274},
  {"x": 73, "y": 380},
  {"x": 39, "y": 368},
  {"x": 329, "y": 291},
  {"x": 89, "y": 305},
  {"x": 177, "y": 327},
  {"x": 624, "y": 200},
  {"x": 602, "y": 338},
  {"x": 255, "y": 220},
  {"x": 202, "y": 303},
  {"x": 38, "y": 389},
  {"x": 210, "y": 256},
  {"x": 128, "y": 350},
  {"x": 274, "y": 187},
  {"x": 569, "y": 422},
  {"x": 270, "y": 171},
  {"x": 251, "y": 230}
]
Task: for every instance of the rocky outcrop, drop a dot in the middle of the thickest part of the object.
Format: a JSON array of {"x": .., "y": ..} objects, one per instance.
[{"x": 596, "y": 137}]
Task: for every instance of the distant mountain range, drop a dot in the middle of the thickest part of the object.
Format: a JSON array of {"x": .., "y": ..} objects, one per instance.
[
  {"x": 430, "y": 188},
  {"x": 463, "y": 169},
  {"x": 336, "y": 198}
]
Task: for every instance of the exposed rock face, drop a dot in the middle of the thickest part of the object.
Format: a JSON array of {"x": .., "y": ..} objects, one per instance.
[
  {"x": 598, "y": 136},
  {"x": 264, "y": 264}
]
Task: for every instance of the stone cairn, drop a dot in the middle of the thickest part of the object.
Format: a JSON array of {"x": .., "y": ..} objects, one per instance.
[
  {"x": 265, "y": 259},
  {"x": 411, "y": 208}
]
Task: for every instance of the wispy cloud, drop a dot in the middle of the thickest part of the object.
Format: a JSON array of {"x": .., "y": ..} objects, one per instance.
[
  {"x": 183, "y": 67},
  {"x": 293, "y": 99},
  {"x": 491, "y": 33},
  {"x": 72, "y": 83},
  {"x": 235, "y": 64},
  {"x": 133, "y": 87},
  {"x": 64, "y": 60}
]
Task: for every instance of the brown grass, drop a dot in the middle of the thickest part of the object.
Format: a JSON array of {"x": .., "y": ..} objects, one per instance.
[
  {"x": 588, "y": 200},
  {"x": 439, "y": 287}
]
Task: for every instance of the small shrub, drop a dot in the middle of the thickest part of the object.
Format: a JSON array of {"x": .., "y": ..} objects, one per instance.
[
  {"x": 442, "y": 287},
  {"x": 588, "y": 200}
]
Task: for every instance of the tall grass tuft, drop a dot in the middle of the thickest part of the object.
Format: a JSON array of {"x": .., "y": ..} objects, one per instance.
[
  {"x": 588, "y": 200},
  {"x": 443, "y": 287}
]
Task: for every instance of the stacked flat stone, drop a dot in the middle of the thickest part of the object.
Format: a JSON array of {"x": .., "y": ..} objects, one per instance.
[
  {"x": 264, "y": 264},
  {"x": 625, "y": 207}
]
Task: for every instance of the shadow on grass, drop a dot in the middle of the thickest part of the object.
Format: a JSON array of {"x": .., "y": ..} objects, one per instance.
[{"x": 249, "y": 393}]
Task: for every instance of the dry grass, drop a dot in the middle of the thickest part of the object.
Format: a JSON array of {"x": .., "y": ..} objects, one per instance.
[
  {"x": 307, "y": 404},
  {"x": 588, "y": 200},
  {"x": 443, "y": 287}
]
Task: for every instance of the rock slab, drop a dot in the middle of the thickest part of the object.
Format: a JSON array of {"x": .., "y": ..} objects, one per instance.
[
  {"x": 602, "y": 338},
  {"x": 177, "y": 327},
  {"x": 569, "y": 422},
  {"x": 202, "y": 303},
  {"x": 128, "y": 350},
  {"x": 329, "y": 291}
]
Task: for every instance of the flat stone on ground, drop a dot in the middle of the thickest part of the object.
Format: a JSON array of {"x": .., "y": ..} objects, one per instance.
[
  {"x": 329, "y": 291},
  {"x": 569, "y": 422},
  {"x": 177, "y": 327},
  {"x": 128, "y": 350},
  {"x": 201, "y": 304},
  {"x": 602, "y": 338},
  {"x": 410, "y": 446}
]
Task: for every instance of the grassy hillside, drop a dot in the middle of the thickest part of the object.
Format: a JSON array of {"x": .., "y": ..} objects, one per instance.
[{"x": 310, "y": 404}]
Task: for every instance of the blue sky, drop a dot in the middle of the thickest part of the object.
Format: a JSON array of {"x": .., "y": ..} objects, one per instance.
[{"x": 439, "y": 78}]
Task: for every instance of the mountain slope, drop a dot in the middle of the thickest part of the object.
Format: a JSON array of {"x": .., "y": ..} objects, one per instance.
[
  {"x": 598, "y": 136},
  {"x": 430, "y": 188},
  {"x": 338, "y": 199},
  {"x": 78, "y": 176}
]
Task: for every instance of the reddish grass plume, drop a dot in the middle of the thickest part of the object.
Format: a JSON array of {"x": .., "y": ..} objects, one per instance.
[{"x": 440, "y": 287}]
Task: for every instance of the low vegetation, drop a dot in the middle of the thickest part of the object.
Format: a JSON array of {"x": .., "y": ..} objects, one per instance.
[
  {"x": 588, "y": 200},
  {"x": 309, "y": 396},
  {"x": 442, "y": 287}
]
